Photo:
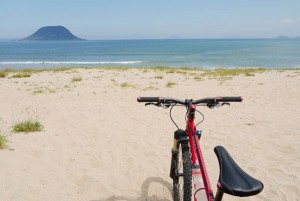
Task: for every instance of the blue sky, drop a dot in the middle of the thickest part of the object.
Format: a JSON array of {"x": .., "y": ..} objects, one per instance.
[{"x": 139, "y": 19}]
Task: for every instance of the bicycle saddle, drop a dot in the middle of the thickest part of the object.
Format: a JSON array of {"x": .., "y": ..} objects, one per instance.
[{"x": 232, "y": 179}]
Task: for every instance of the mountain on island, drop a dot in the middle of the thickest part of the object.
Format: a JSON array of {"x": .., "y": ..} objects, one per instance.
[{"x": 54, "y": 33}]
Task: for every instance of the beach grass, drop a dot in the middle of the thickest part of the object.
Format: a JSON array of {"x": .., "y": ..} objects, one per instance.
[
  {"x": 126, "y": 85},
  {"x": 3, "y": 141},
  {"x": 76, "y": 79},
  {"x": 149, "y": 88},
  {"x": 21, "y": 75},
  {"x": 27, "y": 126},
  {"x": 221, "y": 72},
  {"x": 3, "y": 74},
  {"x": 38, "y": 91},
  {"x": 218, "y": 72},
  {"x": 198, "y": 78},
  {"x": 159, "y": 77},
  {"x": 170, "y": 84}
]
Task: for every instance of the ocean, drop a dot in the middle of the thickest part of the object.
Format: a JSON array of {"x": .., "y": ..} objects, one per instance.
[{"x": 198, "y": 53}]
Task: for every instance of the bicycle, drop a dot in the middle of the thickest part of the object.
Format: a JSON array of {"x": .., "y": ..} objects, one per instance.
[{"x": 187, "y": 162}]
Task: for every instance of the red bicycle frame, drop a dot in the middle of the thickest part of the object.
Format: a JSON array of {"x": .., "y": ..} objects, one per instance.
[
  {"x": 232, "y": 180},
  {"x": 196, "y": 150}
]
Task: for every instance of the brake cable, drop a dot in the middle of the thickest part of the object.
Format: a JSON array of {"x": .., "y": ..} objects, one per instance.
[
  {"x": 202, "y": 118},
  {"x": 185, "y": 116},
  {"x": 171, "y": 116}
]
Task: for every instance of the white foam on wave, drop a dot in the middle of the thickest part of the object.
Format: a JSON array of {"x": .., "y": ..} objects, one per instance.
[{"x": 70, "y": 62}]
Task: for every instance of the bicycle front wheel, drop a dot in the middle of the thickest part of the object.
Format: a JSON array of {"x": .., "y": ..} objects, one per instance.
[{"x": 182, "y": 182}]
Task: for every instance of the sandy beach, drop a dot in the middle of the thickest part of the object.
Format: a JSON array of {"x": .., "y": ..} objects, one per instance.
[{"x": 98, "y": 143}]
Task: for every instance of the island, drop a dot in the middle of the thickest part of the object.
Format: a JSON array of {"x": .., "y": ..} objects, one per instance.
[{"x": 52, "y": 33}]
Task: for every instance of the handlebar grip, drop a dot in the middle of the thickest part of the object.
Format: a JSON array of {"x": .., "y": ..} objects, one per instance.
[
  {"x": 148, "y": 99},
  {"x": 231, "y": 99}
]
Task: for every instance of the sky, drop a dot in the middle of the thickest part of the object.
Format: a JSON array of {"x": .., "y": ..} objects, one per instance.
[{"x": 153, "y": 19}]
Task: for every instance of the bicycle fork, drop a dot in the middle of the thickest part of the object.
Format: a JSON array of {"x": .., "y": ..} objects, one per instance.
[
  {"x": 200, "y": 179},
  {"x": 179, "y": 137}
]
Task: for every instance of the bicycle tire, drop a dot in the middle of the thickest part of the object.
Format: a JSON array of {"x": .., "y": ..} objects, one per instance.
[{"x": 182, "y": 182}]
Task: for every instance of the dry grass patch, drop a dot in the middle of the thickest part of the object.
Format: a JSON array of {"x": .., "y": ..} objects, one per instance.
[
  {"x": 76, "y": 79},
  {"x": 127, "y": 85},
  {"x": 221, "y": 72},
  {"x": 3, "y": 74},
  {"x": 170, "y": 84},
  {"x": 27, "y": 126},
  {"x": 3, "y": 142},
  {"x": 198, "y": 78},
  {"x": 21, "y": 75},
  {"x": 159, "y": 77}
]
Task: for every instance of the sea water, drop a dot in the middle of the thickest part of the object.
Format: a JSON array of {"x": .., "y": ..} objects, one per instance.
[{"x": 199, "y": 53}]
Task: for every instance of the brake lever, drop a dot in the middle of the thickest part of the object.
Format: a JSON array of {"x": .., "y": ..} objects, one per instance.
[
  {"x": 156, "y": 104},
  {"x": 165, "y": 106},
  {"x": 225, "y": 104},
  {"x": 216, "y": 105}
]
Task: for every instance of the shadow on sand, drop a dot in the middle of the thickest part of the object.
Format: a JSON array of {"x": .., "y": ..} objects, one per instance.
[{"x": 144, "y": 192}]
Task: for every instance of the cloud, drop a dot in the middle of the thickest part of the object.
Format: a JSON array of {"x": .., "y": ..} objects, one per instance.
[
  {"x": 298, "y": 19},
  {"x": 287, "y": 21}
]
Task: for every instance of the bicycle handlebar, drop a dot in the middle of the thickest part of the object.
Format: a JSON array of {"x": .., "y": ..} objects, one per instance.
[{"x": 214, "y": 100}]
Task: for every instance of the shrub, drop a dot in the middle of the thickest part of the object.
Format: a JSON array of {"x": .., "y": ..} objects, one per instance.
[
  {"x": 76, "y": 79},
  {"x": 21, "y": 75},
  {"x": 3, "y": 141},
  {"x": 27, "y": 126},
  {"x": 125, "y": 85},
  {"x": 2, "y": 74},
  {"x": 198, "y": 78},
  {"x": 159, "y": 77},
  {"x": 170, "y": 84}
]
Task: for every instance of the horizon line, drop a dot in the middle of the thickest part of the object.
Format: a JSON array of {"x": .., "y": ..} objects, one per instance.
[{"x": 179, "y": 38}]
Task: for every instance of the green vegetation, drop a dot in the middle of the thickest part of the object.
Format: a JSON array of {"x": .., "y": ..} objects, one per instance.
[
  {"x": 189, "y": 69},
  {"x": 159, "y": 77},
  {"x": 171, "y": 71},
  {"x": 149, "y": 88},
  {"x": 3, "y": 142},
  {"x": 286, "y": 69},
  {"x": 198, "y": 78},
  {"x": 249, "y": 74},
  {"x": 61, "y": 69},
  {"x": 170, "y": 84},
  {"x": 182, "y": 70},
  {"x": 249, "y": 124},
  {"x": 159, "y": 68},
  {"x": 3, "y": 74},
  {"x": 39, "y": 91},
  {"x": 76, "y": 79},
  {"x": 27, "y": 126},
  {"x": 6, "y": 71},
  {"x": 125, "y": 85},
  {"x": 21, "y": 75},
  {"x": 195, "y": 72},
  {"x": 232, "y": 72},
  {"x": 31, "y": 71}
]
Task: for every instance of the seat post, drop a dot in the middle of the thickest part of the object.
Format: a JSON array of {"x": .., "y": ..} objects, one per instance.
[{"x": 219, "y": 196}]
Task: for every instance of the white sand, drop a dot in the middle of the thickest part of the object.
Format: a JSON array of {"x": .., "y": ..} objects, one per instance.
[{"x": 98, "y": 143}]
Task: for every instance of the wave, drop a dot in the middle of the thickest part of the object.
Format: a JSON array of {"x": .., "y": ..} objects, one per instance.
[{"x": 70, "y": 62}]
